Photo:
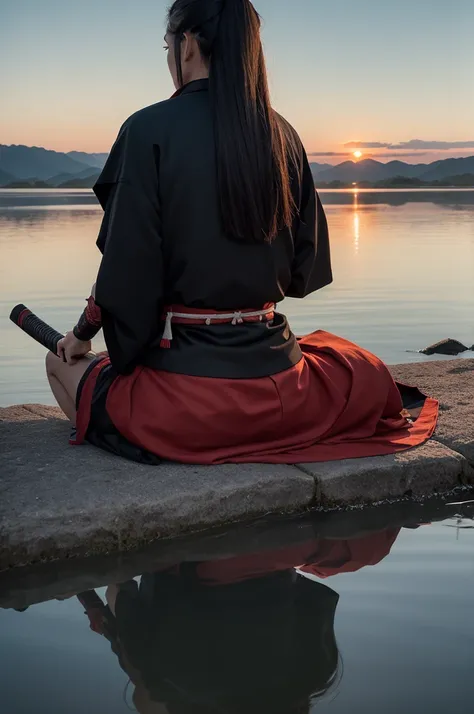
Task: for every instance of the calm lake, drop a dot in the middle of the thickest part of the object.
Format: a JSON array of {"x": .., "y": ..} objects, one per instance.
[
  {"x": 403, "y": 268},
  {"x": 381, "y": 621}
]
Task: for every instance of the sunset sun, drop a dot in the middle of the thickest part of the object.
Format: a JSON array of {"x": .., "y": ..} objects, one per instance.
[{"x": 357, "y": 154}]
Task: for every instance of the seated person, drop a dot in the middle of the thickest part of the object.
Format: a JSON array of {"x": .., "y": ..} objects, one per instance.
[{"x": 211, "y": 219}]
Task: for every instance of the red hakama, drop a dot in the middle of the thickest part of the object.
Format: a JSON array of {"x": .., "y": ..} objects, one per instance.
[{"x": 338, "y": 402}]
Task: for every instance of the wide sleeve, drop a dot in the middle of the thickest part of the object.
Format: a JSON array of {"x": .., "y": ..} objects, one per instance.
[
  {"x": 129, "y": 285},
  {"x": 311, "y": 268}
]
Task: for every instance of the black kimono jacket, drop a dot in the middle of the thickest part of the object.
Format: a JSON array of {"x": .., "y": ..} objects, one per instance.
[{"x": 163, "y": 244}]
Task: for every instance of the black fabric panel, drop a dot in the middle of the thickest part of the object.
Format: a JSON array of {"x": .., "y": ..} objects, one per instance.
[
  {"x": 163, "y": 244},
  {"x": 102, "y": 431}
]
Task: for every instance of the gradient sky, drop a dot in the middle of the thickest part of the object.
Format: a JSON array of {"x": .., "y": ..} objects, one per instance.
[{"x": 370, "y": 71}]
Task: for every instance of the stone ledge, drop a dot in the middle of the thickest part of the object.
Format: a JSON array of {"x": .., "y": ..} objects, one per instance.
[
  {"x": 58, "y": 501},
  {"x": 421, "y": 472},
  {"x": 22, "y": 587},
  {"x": 55, "y": 504},
  {"x": 452, "y": 383}
]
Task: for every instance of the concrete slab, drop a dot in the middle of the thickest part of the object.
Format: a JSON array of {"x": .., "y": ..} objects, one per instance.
[
  {"x": 58, "y": 501},
  {"x": 452, "y": 382},
  {"x": 55, "y": 504},
  {"x": 421, "y": 472},
  {"x": 272, "y": 536}
]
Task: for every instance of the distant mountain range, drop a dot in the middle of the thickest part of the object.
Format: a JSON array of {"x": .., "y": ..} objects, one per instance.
[
  {"x": 371, "y": 171},
  {"x": 32, "y": 166}
]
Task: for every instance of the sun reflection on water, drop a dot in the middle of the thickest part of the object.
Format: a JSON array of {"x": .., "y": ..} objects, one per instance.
[{"x": 356, "y": 219}]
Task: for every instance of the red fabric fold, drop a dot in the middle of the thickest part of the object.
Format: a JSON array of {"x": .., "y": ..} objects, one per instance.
[{"x": 338, "y": 402}]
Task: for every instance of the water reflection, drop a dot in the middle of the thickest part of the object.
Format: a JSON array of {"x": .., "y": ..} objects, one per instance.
[
  {"x": 284, "y": 617},
  {"x": 462, "y": 199},
  {"x": 448, "y": 198},
  {"x": 24, "y": 199},
  {"x": 356, "y": 222},
  {"x": 242, "y": 635}
]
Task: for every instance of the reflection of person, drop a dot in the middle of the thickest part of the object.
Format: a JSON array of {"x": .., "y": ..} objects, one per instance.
[
  {"x": 210, "y": 219},
  {"x": 238, "y": 636}
]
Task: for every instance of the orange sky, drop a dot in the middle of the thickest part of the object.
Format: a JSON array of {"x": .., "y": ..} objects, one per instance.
[{"x": 340, "y": 72}]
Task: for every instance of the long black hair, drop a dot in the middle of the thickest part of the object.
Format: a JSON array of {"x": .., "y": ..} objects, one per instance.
[{"x": 253, "y": 150}]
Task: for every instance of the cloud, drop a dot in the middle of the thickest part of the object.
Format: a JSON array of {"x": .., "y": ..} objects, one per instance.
[
  {"x": 397, "y": 154},
  {"x": 413, "y": 144},
  {"x": 328, "y": 153},
  {"x": 366, "y": 145},
  {"x": 433, "y": 145},
  {"x": 348, "y": 154}
]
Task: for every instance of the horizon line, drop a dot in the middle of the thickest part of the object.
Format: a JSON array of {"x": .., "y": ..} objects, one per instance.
[{"x": 313, "y": 156}]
